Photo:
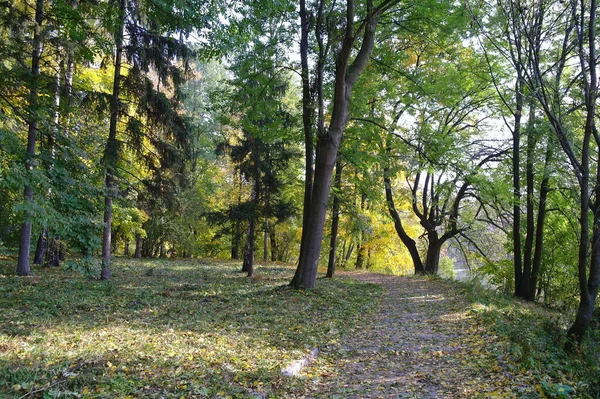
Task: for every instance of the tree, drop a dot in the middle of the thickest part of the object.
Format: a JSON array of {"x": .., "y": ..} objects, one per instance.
[
  {"x": 260, "y": 153},
  {"x": 148, "y": 46},
  {"x": 347, "y": 72}
]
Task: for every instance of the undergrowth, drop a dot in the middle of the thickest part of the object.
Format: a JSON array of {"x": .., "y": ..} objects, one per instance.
[
  {"x": 537, "y": 346},
  {"x": 166, "y": 329}
]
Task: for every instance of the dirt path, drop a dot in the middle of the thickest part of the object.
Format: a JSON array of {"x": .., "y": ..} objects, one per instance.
[{"x": 421, "y": 343}]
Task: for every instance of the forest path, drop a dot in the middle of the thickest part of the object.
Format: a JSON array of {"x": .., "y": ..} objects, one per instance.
[{"x": 421, "y": 343}]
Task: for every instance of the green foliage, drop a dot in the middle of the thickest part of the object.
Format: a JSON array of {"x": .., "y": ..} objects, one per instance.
[
  {"x": 537, "y": 344},
  {"x": 446, "y": 268},
  {"x": 88, "y": 266}
]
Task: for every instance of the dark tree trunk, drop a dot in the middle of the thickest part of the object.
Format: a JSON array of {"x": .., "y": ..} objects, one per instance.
[
  {"x": 307, "y": 113},
  {"x": 335, "y": 220},
  {"x": 588, "y": 284},
  {"x": 530, "y": 230},
  {"x": 248, "y": 264},
  {"x": 23, "y": 267},
  {"x": 53, "y": 255},
  {"x": 273, "y": 237},
  {"x": 516, "y": 164},
  {"x": 111, "y": 152},
  {"x": 327, "y": 145},
  {"x": 408, "y": 242},
  {"x": 266, "y": 232},
  {"x": 432, "y": 259},
  {"x": 539, "y": 234},
  {"x": 40, "y": 249},
  {"x": 138, "y": 246},
  {"x": 126, "y": 249},
  {"x": 362, "y": 250},
  {"x": 235, "y": 241}
]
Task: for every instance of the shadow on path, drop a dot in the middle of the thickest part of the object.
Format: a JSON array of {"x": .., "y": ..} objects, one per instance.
[{"x": 420, "y": 343}]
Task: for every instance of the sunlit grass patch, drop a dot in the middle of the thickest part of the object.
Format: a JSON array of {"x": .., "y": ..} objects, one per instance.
[
  {"x": 535, "y": 342},
  {"x": 163, "y": 328}
]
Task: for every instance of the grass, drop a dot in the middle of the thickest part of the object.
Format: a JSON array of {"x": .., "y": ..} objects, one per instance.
[
  {"x": 167, "y": 329},
  {"x": 536, "y": 347}
]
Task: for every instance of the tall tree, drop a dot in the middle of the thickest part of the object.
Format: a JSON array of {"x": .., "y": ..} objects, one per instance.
[
  {"x": 150, "y": 50},
  {"x": 23, "y": 267},
  {"x": 347, "y": 71}
]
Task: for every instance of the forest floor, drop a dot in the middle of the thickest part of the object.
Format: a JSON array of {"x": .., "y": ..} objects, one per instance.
[
  {"x": 175, "y": 329},
  {"x": 422, "y": 342}
]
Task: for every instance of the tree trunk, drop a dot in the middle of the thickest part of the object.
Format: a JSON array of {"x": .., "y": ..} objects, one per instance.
[
  {"x": 408, "y": 242},
  {"x": 362, "y": 250},
  {"x": 53, "y": 254},
  {"x": 248, "y": 264},
  {"x": 335, "y": 220},
  {"x": 23, "y": 267},
  {"x": 530, "y": 230},
  {"x": 138, "y": 246},
  {"x": 235, "y": 241},
  {"x": 266, "y": 232},
  {"x": 111, "y": 153},
  {"x": 126, "y": 249},
  {"x": 434, "y": 247},
  {"x": 516, "y": 164},
  {"x": 539, "y": 234},
  {"x": 40, "y": 249},
  {"x": 274, "y": 255},
  {"x": 307, "y": 113},
  {"x": 327, "y": 145}
]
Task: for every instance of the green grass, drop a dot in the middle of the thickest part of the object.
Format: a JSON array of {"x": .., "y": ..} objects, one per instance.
[
  {"x": 167, "y": 329},
  {"x": 536, "y": 347}
]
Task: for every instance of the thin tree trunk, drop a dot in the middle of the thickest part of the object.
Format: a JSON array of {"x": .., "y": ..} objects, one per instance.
[
  {"x": 362, "y": 250},
  {"x": 516, "y": 164},
  {"x": 40, "y": 250},
  {"x": 111, "y": 152},
  {"x": 23, "y": 267},
  {"x": 126, "y": 249},
  {"x": 539, "y": 234},
  {"x": 274, "y": 250},
  {"x": 530, "y": 230},
  {"x": 266, "y": 233},
  {"x": 588, "y": 285},
  {"x": 335, "y": 220},
  {"x": 138, "y": 246},
  {"x": 248, "y": 264},
  {"x": 408, "y": 242}
]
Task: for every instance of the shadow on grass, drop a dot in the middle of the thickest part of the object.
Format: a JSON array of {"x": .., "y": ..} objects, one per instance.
[{"x": 188, "y": 328}]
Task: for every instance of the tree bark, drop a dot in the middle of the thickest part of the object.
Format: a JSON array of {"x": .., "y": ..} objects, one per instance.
[
  {"x": 335, "y": 220},
  {"x": 328, "y": 144},
  {"x": 111, "y": 152},
  {"x": 360, "y": 256},
  {"x": 138, "y": 246},
  {"x": 432, "y": 259},
  {"x": 40, "y": 249},
  {"x": 588, "y": 284},
  {"x": 408, "y": 242},
  {"x": 516, "y": 164},
  {"x": 307, "y": 113},
  {"x": 23, "y": 267},
  {"x": 539, "y": 234},
  {"x": 248, "y": 264}
]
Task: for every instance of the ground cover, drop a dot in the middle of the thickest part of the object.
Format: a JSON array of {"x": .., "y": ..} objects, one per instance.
[
  {"x": 201, "y": 329},
  {"x": 166, "y": 329}
]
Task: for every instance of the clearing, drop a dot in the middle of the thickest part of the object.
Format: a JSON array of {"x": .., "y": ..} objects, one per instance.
[{"x": 200, "y": 329}]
